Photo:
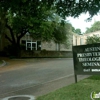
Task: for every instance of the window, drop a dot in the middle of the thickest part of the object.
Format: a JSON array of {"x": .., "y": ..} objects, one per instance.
[{"x": 36, "y": 45}]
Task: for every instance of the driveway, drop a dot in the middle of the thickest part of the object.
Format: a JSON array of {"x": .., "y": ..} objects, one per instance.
[{"x": 35, "y": 76}]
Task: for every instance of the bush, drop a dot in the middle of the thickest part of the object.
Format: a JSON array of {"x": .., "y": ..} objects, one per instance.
[{"x": 12, "y": 50}]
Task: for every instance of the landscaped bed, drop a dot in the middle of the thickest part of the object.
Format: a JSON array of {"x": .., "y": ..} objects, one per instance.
[{"x": 78, "y": 91}]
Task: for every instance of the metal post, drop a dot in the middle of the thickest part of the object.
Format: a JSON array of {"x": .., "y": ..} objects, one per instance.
[
  {"x": 75, "y": 75},
  {"x": 75, "y": 78},
  {"x": 36, "y": 45}
]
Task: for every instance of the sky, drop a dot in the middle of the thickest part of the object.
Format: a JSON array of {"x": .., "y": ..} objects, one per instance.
[{"x": 81, "y": 21}]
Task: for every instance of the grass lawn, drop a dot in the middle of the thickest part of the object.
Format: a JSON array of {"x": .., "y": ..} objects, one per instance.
[{"x": 78, "y": 91}]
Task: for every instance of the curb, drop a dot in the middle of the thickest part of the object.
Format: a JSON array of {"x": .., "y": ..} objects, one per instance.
[{"x": 4, "y": 63}]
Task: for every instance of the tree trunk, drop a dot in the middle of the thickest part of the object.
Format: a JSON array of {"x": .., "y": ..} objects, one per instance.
[{"x": 14, "y": 48}]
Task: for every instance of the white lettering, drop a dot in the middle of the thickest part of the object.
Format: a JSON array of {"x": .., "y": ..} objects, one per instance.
[
  {"x": 91, "y": 64},
  {"x": 84, "y": 54},
  {"x": 89, "y": 59},
  {"x": 96, "y": 53},
  {"x": 92, "y": 49},
  {"x": 95, "y": 70},
  {"x": 86, "y": 70}
]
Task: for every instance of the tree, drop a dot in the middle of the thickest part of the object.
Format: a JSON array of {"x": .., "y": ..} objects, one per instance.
[
  {"x": 94, "y": 27},
  {"x": 73, "y": 29},
  {"x": 93, "y": 39},
  {"x": 64, "y": 7},
  {"x": 77, "y": 31},
  {"x": 61, "y": 34},
  {"x": 55, "y": 30},
  {"x": 76, "y": 7},
  {"x": 31, "y": 15},
  {"x": 19, "y": 22},
  {"x": 27, "y": 16}
]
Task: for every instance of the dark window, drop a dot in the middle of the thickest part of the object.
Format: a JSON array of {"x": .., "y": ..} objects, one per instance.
[
  {"x": 23, "y": 41},
  {"x": 38, "y": 45},
  {"x": 33, "y": 46},
  {"x": 29, "y": 45}
]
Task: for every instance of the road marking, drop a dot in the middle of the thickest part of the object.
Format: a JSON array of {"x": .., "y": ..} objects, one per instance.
[{"x": 20, "y": 96}]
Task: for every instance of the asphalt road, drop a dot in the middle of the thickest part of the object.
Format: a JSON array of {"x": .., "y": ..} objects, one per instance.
[{"x": 37, "y": 78}]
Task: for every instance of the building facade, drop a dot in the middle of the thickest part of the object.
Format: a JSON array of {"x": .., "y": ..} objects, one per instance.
[
  {"x": 81, "y": 39},
  {"x": 30, "y": 44}
]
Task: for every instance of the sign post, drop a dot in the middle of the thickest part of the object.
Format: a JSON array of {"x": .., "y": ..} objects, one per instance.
[
  {"x": 75, "y": 78},
  {"x": 86, "y": 59}
]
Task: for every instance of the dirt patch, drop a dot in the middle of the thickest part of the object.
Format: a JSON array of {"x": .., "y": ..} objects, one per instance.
[{"x": 12, "y": 64}]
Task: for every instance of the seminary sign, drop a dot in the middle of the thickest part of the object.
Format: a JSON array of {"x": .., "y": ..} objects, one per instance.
[{"x": 87, "y": 59}]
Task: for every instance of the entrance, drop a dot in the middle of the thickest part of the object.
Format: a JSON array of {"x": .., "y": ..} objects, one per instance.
[{"x": 31, "y": 45}]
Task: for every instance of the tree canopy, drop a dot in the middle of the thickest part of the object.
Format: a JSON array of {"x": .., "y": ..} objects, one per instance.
[
  {"x": 26, "y": 16},
  {"x": 77, "y": 31},
  {"x": 94, "y": 27},
  {"x": 93, "y": 39},
  {"x": 29, "y": 16},
  {"x": 34, "y": 16},
  {"x": 63, "y": 7}
]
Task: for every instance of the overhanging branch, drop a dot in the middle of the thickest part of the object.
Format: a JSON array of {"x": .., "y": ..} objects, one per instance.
[
  {"x": 8, "y": 38},
  {"x": 22, "y": 33},
  {"x": 11, "y": 32}
]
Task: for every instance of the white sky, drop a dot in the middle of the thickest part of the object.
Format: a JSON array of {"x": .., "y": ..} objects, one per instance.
[{"x": 81, "y": 23}]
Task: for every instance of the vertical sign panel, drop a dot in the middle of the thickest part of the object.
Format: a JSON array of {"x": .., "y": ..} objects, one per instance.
[{"x": 87, "y": 59}]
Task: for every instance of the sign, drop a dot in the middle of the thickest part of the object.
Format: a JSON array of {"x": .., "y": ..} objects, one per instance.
[{"x": 86, "y": 59}]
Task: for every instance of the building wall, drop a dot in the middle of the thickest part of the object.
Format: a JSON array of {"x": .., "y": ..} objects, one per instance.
[
  {"x": 51, "y": 46},
  {"x": 48, "y": 46},
  {"x": 81, "y": 39},
  {"x": 76, "y": 39}
]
